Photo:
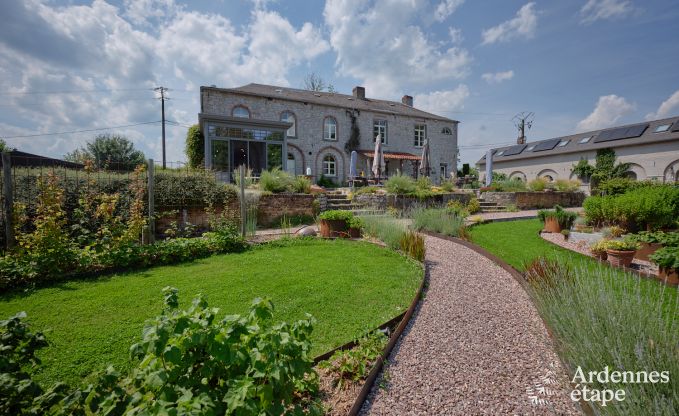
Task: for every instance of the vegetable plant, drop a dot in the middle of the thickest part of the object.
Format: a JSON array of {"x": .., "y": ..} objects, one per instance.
[
  {"x": 354, "y": 364},
  {"x": 666, "y": 257},
  {"x": 336, "y": 215}
]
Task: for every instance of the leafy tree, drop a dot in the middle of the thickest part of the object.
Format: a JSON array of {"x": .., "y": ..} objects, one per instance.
[
  {"x": 108, "y": 150},
  {"x": 4, "y": 147},
  {"x": 195, "y": 146},
  {"x": 583, "y": 169},
  {"x": 314, "y": 82}
]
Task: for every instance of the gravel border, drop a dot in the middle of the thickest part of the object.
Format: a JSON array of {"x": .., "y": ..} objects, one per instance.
[{"x": 476, "y": 345}]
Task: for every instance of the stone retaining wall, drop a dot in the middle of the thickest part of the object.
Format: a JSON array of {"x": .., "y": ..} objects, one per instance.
[
  {"x": 535, "y": 200},
  {"x": 403, "y": 202}
]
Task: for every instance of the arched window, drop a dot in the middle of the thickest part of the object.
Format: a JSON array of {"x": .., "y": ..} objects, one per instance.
[
  {"x": 240, "y": 111},
  {"x": 329, "y": 129},
  {"x": 288, "y": 117},
  {"x": 329, "y": 166},
  {"x": 446, "y": 130}
]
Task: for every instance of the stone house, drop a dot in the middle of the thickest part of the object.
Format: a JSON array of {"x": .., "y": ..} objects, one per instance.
[
  {"x": 652, "y": 149},
  {"x": 264, "y": 126}
]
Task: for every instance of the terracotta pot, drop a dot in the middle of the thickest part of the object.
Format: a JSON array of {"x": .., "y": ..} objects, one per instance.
[
  {"x": 601, "y": 255},
  {"x": 668, "y": 275},
  {"x": 619, "y": 258},
  {"x": 354, "y": 232},
  {"x": 645, "y": 250},
  {"x": 552, "y": 225},
  {"x": 333, "y": 228}
]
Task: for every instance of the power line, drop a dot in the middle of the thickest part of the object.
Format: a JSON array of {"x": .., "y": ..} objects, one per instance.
[
  {"x": 73, "y": 91},
  {"x": 79, "y": 131}
]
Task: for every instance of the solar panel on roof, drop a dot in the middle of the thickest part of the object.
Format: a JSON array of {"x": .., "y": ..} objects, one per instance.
[
  {"x": 546, "y": 145},
  {"x": 515, "y": 150},
  {"x": 621, "y": 133}
]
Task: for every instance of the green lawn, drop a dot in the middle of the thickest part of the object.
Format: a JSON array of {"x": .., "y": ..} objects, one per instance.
[{"x": 347, "y": 286}]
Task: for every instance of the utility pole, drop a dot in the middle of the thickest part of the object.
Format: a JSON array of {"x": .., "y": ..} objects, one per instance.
[
  {"x": 162, "y": 98},
  {"x": 522, "y": 121}
]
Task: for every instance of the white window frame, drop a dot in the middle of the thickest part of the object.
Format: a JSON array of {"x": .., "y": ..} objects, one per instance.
[
  {"x": 420, "y": 134},
  {"x": 330, "y": 129},
  {"x": 329, "y": 166},
  {"x": 289, "y": 115},
  {"x": 381, "y": 129},
  {"x": 240, "y": 107}
]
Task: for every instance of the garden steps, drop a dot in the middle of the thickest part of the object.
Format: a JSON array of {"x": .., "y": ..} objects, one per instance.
[{"x": 487, "y": 206}]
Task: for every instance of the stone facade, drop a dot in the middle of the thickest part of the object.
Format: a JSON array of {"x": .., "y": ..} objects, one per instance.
[
  {"x": 308, "y": 147},
  {"x": 382, "y": 201},
  {"x": 535, "y": 200}
]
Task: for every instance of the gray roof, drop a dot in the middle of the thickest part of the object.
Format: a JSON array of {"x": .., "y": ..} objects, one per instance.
[
  {"x": 330, "y": 99},
  {"x": 600, "y": 139}
]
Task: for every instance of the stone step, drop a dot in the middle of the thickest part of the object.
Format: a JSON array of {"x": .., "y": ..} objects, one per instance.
[
  {"x": 487, "y": 204},
  {"x": 338, "y": 198}
]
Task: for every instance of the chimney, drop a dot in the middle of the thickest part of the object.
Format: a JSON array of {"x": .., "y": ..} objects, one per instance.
[
  {"x": 407, "y": 100},
  {"x": 359, "y": 92}
]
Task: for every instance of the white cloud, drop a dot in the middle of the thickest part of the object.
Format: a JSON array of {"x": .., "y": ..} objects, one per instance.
[
  {"x": 455, "y": 34},
  {"x": 595, "y": 10},
  {"x": 667, "y": 107},
  {"x": 100, "y": 47},
  {"x": 609, "y": 109},
  {"x": 380, "y": 45},
  {"x": 522, "y": 25},
  {"x": 442, "y": 102},
  {"x": 446, "y": 8},
  {"x": 497, "y": 77}
]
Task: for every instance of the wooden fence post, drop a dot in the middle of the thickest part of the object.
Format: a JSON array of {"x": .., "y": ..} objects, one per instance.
[
  {"x": 152, "y": 220},
  {"x": 8, "y": 199}
]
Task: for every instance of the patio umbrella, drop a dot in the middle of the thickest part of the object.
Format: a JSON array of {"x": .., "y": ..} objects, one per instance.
[
  {"x": 378, "y": 158},
  {"x": 352, "y": 164},
  {"x": 424, "y": 162}
]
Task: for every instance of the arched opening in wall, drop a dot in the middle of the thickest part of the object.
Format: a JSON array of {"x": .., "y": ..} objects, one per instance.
[
  {"x": 329, "y": 166},
  {"x": 291, "y": 164},
  {"x": 518, "y": 175},
  {"x": 671, "y": 173},
  {"x": 548, "y": 174},
  {"x": 635, "y": 172},
  {"x": 630, "y": 174}
]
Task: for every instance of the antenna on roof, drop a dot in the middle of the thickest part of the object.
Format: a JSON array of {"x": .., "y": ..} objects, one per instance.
[{"x": 521, "y": 121}]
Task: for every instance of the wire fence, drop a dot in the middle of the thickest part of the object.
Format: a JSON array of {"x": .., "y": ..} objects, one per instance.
[{"x": 185, "y": 201}]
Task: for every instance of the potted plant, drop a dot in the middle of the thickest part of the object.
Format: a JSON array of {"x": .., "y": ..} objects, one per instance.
[
  {"x": 620, "y": 252},
  {"x": 649, "y": 243},
  {"x": 667, "y": 259},
  {"x": 598, "y": 250},
  {"x": 355, "y": 227},
  {"x": 557, "y": 219},
  {"x": 566, "y": 234},
  {"x": 334, "y": 223}
]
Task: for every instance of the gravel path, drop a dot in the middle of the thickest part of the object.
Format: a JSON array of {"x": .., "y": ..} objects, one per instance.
[
  {"x": 531, "y": 213},
  {"x": 476, "y": 345}
]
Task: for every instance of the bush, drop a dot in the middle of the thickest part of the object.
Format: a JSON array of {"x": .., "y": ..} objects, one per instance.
[
  {"x": 400, "y": 185},
  {"x": 354, "y": 364},
  {"x": 666, "y": 257},
  {"x": 336, "y": 215},
  {"x": 508, "y": 185},
  {"x": 646, "y": 207},
  {"x": 356, "y": 223},
  {"x": 326, "y": 182},
  {"x": 301, "y": 185},
  {"x": 412, "y": 244},
  {"x": 566, "y": 185},
  {"x": 448, "y": 185},
  {"x": 195, "y": 146},
  {"x": 601, "y": 316},
  {"x": 423, "y": 183},
  {"x": 385, "y": 228},
  {"x": 366, "y": 190},
  {"x": 188, "y": 361},
  {"x": 538, "y": 185},
  {"x": 616, "y": 186},
  {"x": 473, "y": 206},
  {"x": 563, "y": 217},
  {"x": 621, "y": 245},
  {"x": 440, "y": 221},
  {"x": 275, "y": 181}
]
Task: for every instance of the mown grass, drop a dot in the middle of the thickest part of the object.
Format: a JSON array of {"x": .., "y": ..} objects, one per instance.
[
  {"x": 600, "y": 316},
  {"x": 348, "y": 287}
]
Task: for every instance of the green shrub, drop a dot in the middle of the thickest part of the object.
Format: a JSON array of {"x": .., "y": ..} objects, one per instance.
[
  {"x": 423, "y": 183},
  {"x": 616, "y": 186},
  {"x": 508, "y": 185},
  {"x": 188, "y": 361},
  {"x": 356, "y": 223},
  {"x": 666, "y": 257},
  {"x": 567, "y": 185},
  {"x": 448, "y": 185},
  {"x": 621, "y": 245},
  {"x": 276, "y": 181},
  {"x": 473, "y": 206},
  {"x": 366, "y": 190},
  {"x": 400, "y": 185},
  {"x": 538, "y": 185},
  {"x": 326, "y": 182},
  {"x": 336, "y": 215},
  {"x": 645, "y": 207},
  {"x": 602, "y": 318},
  {"x": 301, "y": 185},
  {"x": 439, "y": 220},
  {"x": 195, "y": 146},
  {"x": 563, "y": 217},
  {"x": 385, "y": 228},
  {"x": 457, "y": 208}
]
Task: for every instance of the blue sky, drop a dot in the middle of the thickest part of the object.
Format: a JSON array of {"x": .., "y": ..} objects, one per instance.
[{"x": 579, "y": 65}]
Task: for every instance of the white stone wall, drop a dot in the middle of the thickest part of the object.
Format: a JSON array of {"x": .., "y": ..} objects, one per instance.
[
  {"x": 309, "y": 147},
  {"x": 653, "y": 161}
]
